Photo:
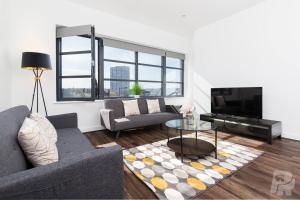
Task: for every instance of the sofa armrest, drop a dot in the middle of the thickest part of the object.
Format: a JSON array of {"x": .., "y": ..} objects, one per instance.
[
  {"x": 173, "y": 109},
  {"x": 93, "y": 175},
  {"x": 64, "y": 121},
  {"x": 107, "y": 118}
]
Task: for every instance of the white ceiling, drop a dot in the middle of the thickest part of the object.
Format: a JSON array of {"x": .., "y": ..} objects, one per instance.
[{"x": 168, "y": 14}]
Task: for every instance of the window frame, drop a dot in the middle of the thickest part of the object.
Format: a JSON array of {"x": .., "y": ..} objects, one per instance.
[
  {"x": 98, "y": 91},
  {"x": 60, "y": 77},
  {"x": 180, "y": 82}
]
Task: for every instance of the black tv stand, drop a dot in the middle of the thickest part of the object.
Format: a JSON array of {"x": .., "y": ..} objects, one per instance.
[{"x": 262, "y": 128}]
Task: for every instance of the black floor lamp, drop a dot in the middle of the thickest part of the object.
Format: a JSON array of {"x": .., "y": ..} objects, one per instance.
[{"x": 37, "y": 62}]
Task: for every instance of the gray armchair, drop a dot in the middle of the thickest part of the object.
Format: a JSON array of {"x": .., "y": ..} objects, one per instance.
[{"x": 81, "y": 172}]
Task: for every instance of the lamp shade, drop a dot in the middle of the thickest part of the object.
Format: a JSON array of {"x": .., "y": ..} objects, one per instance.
[{"x": 37, "y": 61}]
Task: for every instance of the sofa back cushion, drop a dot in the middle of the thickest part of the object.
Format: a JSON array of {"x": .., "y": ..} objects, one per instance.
[
  {"x": 161, "y": 104},
  {"x": 144, "y": 106},
  {"x": 12, "y": 158},
  {"x": 118, "y": 107}
]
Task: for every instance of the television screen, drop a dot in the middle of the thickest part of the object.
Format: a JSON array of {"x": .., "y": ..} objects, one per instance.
[{"x": 244, "y": 102}]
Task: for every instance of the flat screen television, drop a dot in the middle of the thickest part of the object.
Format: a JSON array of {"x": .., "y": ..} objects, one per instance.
[{"x": 244, "y": 102}]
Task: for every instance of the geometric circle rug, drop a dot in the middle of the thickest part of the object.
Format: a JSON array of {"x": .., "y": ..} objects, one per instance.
[{"x": 158, "y": 167}]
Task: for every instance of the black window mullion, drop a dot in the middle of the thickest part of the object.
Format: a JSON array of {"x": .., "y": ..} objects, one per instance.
[
  {"x": 93, "y": 61},
  {"x": 136, "y": 67},
  {"x": 101, "y": 68},
  {"x": 148, "y": 65},
  {"x": 75, "y": 52},
  {"x": 76, "y": 76},
  {"x": 118, "y": 61},
  {"x": 58, "y": 70},
  {"x": 182, "y": 77},
  {"x": 163, "y": 77}
]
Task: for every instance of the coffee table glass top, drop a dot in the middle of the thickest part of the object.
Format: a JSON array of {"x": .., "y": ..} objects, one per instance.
[{"x": 190, "y": 125}]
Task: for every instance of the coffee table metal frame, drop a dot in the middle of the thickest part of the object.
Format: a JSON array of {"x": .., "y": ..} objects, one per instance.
[{"x": 196, "y": 129}]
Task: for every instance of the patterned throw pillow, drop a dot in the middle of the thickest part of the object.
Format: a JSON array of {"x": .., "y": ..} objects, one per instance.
[
  {"x": 45, "y": 125},
  {"x": 153, "y": 106},
  {"x": 37, "y": 146},
  {"x": 131, "y": 107}
]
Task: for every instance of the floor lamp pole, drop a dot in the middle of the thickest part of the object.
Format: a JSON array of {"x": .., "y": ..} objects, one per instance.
[{"x": 37, "y": 84}]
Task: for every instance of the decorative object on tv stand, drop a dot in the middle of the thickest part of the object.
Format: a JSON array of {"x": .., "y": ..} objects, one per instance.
[
  {"x": 136, "y": 90},
  {"x": 38, "y": 63}
]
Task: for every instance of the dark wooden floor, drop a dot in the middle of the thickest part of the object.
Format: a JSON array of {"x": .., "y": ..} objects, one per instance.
[{"x": 251, "y": 182}]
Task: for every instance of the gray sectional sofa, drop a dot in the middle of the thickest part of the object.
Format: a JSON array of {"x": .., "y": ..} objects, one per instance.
[
  {"x": 114, "y": 109},
  {"x": 81, "y": 172}
]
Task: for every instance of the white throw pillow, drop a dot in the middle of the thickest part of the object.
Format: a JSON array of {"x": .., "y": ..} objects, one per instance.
[
  {"x": 153, "y": 106},
  {"x": 37, "y": 146},
  {"x": 45, "y": 125},
  {"x": 131, "y": 107}
]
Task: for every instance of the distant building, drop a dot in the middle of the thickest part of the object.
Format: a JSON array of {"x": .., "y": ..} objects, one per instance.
[{"x": 120, "y": 88}]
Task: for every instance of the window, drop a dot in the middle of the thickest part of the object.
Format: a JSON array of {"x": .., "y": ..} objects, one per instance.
[
  {"x": 75, "y": 76},
  {"x": 150, "y": 74},
  {"x": 174, "y": 77},
  {"x": 98, "y": 68},
  {"x": 119, "y": 72}
]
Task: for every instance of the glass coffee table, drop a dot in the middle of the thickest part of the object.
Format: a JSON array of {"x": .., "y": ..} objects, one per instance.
[{"x": 191, "y": 146}]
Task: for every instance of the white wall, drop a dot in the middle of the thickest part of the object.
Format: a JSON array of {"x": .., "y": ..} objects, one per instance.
[
  {"x": 5, "y": 72},
  {"x": 256, "y": 47},
  {"x": 33, "y": 29}
]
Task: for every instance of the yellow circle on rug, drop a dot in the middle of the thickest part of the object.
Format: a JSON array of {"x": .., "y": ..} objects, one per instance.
[
  {"x": 197, "y": 184},
  {"x": 198, "y": 165},
  {"x": 159, "y": 183},
  {"x": 130, "y": 158},
  {"x": 139, "y": 175},
  {"x": 220, "y": 169},
  {"x": 148, "y": 161},
  {"x": 222, "y": 153}
]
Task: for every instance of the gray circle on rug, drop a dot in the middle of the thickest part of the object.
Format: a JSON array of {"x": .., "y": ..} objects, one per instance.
[
  {"x": 157, "y": 150},
  {"x": 134, "y": 150},
  {"x": 157, "y": 158},
  {"x": 158, "y": 169},
  {"x": 148, "y": 153},
  {"x": 205, "y": 178},
  {"x": 171, "y": 178},
  {"x": 236, "y": 158},
  {"x": 168, "y": 165},
  {"x": 138, "y": 164},
  {"x": 172, "y": 194},
  {"x": 186, "y": 189},
  {"x": 212, "y": 159},
  {"x": 140, "y": 155},
  {"x": 165, "y": 156},
  {"x": 205, "y": 162},
  {"x": 180, "y": 173},
  {"x": 149, "y": 146},
  {"x": 148, "y": 173},
  {"x": 190, "y": 170},
  {"x": 228, "y": 166}
]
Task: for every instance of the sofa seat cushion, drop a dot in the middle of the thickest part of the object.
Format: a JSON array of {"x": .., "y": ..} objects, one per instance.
[
  {"x": 71, "y": 142},
  {"x": 145, "y": 120}
]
